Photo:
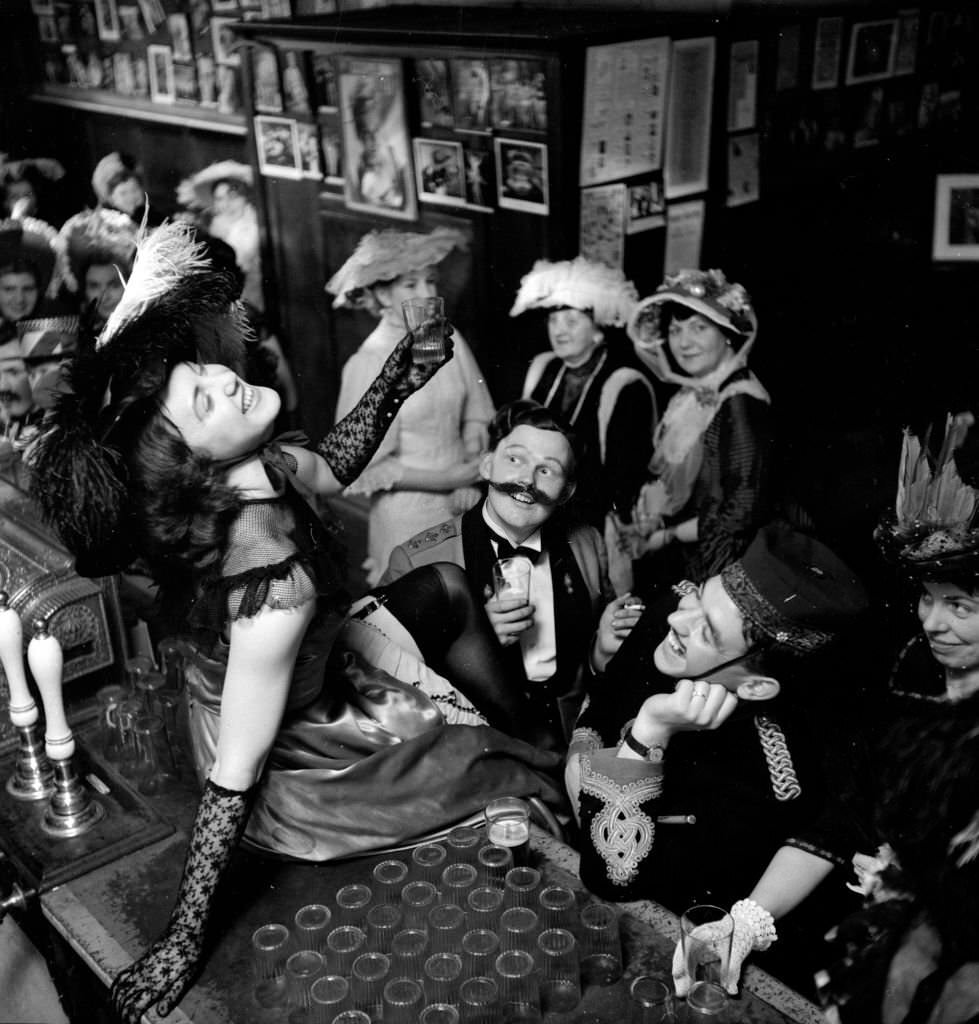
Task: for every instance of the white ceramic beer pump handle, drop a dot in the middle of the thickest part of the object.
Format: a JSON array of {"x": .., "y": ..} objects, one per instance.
[
  {"x": 46, "y": 662},
  {"x": 23, "y": 710}
]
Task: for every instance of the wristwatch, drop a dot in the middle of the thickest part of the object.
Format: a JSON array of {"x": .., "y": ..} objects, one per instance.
[{"x": 654, "y": 754}]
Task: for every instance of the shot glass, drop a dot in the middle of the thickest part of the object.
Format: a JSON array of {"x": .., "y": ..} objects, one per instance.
[
  {"x": 302, "y": 969},
  {"x": 650, "y": 1001},
  {"x": 521, "y": 887},
  {"x": 353, "y": 902},
  {"x": 388, "y": 879},
  {"x": 463, "y": 843},
  {"x": 519, "y": 989},
  {"x": 270, "y": 949},
  {"x": 439, "y": 1013},
  {"x": 409, "y": 950},
  {"x": 352, "y": 1017},
  {"x": 601, "y": 945},
  {"x": 443, "y": 974},
  {"x": 484, "y": 906},
  {"x": 493, "y": 863},
  {"x": 706, "y": 933},
  {"x": 479, "y": 1001},
  {"x": 403, "y": 1000},
  {"x": 312, "y": 925},
  {"x": 417, "y": 899},
  {"x": 428, "y": 862},
  {"x": 424, "y": 317},
  {"x": 557, "y": 907},
  {"x": 519, "y": 929},
  {"x": 343, "y": 946},
  {"x": 446, "y": 926},
  {"x": 560, "y": 984},
  {"x": 480, "y": 948},
  {"x": 368, "y": 976},
  {"x": 328, "y": 995},
  {"x": 383, "y": 923},
  {"x": 456, "y": 884}
]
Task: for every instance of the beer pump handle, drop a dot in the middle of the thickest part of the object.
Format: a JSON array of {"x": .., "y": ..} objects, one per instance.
[
  {"x": 46, "y": 662},
  {"x": 23, "y": 710}
]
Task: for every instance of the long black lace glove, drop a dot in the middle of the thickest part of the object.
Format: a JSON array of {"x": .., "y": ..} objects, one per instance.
[
  {"x": 164, "y": 972},
  {"x": 351, "y": 444}
]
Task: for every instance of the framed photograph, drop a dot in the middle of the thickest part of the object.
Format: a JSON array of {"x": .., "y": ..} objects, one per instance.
[
  {"x": 646, "y": 209},
  {"x": 431, "y": 78},
  {"x": 521, "y": 176},
  {"x": 601, "y": 230},
  {"x": 295, "y": 88},
  {"x": 827, "y": 50},
  {"x": 480, "y": 171},
  {"x": 308, "y": 147},
  {"x": 376, "y": 154},
  {"x": 180, "y": 36},
  {"x": 439, "y": 174},
  {"x": 278, "y": 147},
  {"x": 107, "y": 18},
  {"x": 185, "y": 83},
  {"x": 330, "y": 146},
  {"x": 160, "y": 60},
  {"x": 470, "y": 95},
  {"x": 688, "y": 133},
  {"x": 742, "y": 90},
  {"x": 326, "y": 88},
  {"x": 518, "y": 95},
  {"x": 265, "y": 79},
  {"x": 956, "y": 234},
  {"x": 153, "y": 14},
  {"x": 906, "y": 56},
  {"x": 684, "y": 234},
  {"x": 872, "y": 48},
  {"x": 223, "y": 41}
]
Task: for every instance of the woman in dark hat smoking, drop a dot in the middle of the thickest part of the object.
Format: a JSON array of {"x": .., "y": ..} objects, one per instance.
[{"x": 162, "y": 450}]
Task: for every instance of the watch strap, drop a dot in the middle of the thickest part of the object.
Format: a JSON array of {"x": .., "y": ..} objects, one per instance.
[{"x": 654, "y": 753}]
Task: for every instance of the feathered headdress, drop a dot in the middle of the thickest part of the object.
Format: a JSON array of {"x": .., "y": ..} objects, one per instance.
[
  {"x": 931, "y": 528},
  {"x": 99, "y": 235},
  {"x": 176, "y": 306},
  {"x": 580, "y": 284},
  {"x": 36, "y": 242},
  {"x": 385, "y": 255}
]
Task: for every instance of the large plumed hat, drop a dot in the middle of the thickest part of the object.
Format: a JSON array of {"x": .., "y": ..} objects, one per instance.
[
  {"x": 794, "y": 589},
  {"x": 385, "y": 255},
  {"x": 195, "y": 192},
  {"x": 37, "y": 243},
  {"x": 101, "y": 236},
  {"x": 581, "y": 284},
  {"x": 111, "y": 169},
  {"x": 176, "y": 306},
  {"x": 931, "y": 531},
  {"x": 28, "y": 166}
]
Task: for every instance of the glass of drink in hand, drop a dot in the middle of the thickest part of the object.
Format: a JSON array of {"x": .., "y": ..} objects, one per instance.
[{"x": 425, "y": 318}]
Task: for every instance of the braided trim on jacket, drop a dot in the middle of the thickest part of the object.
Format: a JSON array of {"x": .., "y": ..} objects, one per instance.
[
  {"x": 781, "y": 770},
  {"x": 584, "y": 740},
  {"x": 622, "y": 833}
]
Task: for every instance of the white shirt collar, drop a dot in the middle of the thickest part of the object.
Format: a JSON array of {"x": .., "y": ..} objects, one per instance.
[{"x": 533, "y": 542}]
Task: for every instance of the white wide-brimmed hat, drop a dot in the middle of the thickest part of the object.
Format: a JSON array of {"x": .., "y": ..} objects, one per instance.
[{"x": 583, "y": 284}]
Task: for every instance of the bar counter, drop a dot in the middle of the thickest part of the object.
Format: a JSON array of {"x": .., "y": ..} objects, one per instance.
[{"x": 110, "y": 915}]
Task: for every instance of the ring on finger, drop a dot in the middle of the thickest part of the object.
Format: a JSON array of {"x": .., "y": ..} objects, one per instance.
[{"x": 702, "y": 694}]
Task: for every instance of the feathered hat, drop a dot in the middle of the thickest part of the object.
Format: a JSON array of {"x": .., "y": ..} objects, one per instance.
[
  {"x": 109, "y": 171},
  {"x": 707, "y": 292},
  {"x": 931, "y": 531},
  {"x": 29, "y": 166},
  {"x": 581, "y": 284},
  {"x": 97, "y": 236},
  {"x": 176, "y": 306},
  {"x": 195, "y": 192},
  {"x": 385, "y": 255}
]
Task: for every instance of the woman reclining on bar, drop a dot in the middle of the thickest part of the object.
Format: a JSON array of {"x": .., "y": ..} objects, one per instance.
[{"x": 161, "y": 450}]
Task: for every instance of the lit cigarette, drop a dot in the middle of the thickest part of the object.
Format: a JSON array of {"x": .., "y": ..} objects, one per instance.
[{"x": 677, "y": 819}]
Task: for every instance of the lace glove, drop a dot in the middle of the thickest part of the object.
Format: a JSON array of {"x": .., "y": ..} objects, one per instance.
[
  {"x": 164, "y": 972},
  {"x": 754, "y": 928},
  {"x": 351, "y": 444}
]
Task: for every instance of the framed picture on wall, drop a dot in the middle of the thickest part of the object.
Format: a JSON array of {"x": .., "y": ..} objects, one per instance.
[
  {"x": 956, "y": 235},
  {"x": 872, "y": 48},
  {"x": 439, "y": 173},
  {"x": 278, "y": 147},
  {"x": 107, "y": 18},
  {"x": 480, "y": 169},
  {"x": 160, "y": 60},
  {"x": 308, "y": 148},
  {"x": 521, "y": 176},
  {"x": 223, "y": 40},
  {"x": 826, "y": 54},
  {"x": 376, "y": 155}
]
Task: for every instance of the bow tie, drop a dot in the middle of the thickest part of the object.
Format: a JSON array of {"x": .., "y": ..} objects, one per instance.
[{"x": 504, "y": 549}]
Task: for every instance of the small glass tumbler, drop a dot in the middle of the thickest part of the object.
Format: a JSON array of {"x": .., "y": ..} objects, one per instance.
[
  {"x": 493, "y": 863},
  {"x": 389, "y": 878},
  {"x": 424, "y": 317},
  {"x": 519, "y": 929},
  {"x": 383, "y": 923},
  {"x": 343, "y": 946},
  {"x": 367, "y": 979},
  {"x": 403, "y": 1000},
  {"x": 428, "y": 862},
  {"x": 706, "y": 933},
  {"x": 443, "y": 974},
  {"x": 600, "y": 945},
  {"x": 312, "y": 926},
  {"x": 112, "y": 735},
  {"x": 439, "y": 1013},
  {"x": 557, "y": 907},
  {"x": 154, "y": 767},
  {"x": 479, "y": 1001},
  {"x": 519, "y": 989},
  {"x": 480, "y": 948},
  {"x": 521, "y": 887},
  {"x": 136, "y": 668},
  {"x": 650, "y": 1001},
  {"x": 508, "y": 824},
  {"x": 409, "y": 950},
  {"x": 457, "y": 881},
  {"x": 560, "y": 977},
  {"x": 328, "y": 995},
  {"x": 484, "y": 906},
  {"x": 353, "y": 902},
  {"x": 446, "y": 926},
  {"x": 352, "y": 1017},
  {"x": 463, "y": 843},
  {"x": 270, "y": 950},
  {"x": 302, "y": 969},
  {"x": 417, "y": 899}
]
